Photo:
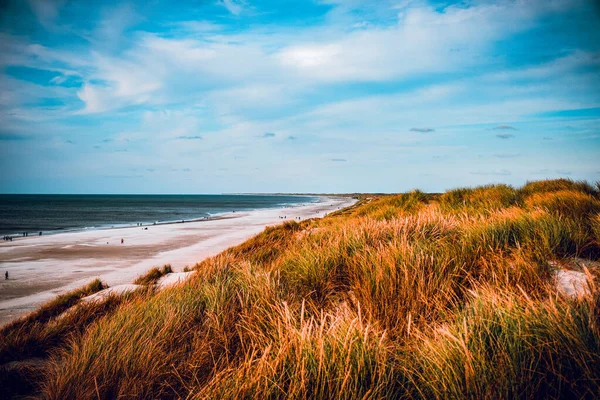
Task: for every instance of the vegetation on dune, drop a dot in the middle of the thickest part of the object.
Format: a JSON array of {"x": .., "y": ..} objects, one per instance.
[
  {"x": 31, "y": 335},
  {"x": 152, "y": 276},
  {"x": 39, "y": 333},
  {"x": 557, "y": 185},
  {"x": 506, "y": 345},
  {"x": 406, "y": 296}
]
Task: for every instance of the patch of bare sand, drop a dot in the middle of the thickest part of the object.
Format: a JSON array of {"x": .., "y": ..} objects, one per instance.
[
  {"x": 111, "y": 291},
  {"x": 575, "y": 276}
]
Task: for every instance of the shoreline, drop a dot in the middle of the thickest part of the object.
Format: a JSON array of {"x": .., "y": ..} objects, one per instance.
[
  {"x": 42, "y": 267},
  {"x": 210, "y": 217},
  {"x": 33, "y": 235}
]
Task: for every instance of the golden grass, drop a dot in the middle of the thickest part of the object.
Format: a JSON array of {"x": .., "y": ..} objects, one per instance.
[
  {"x": 556, "y": 185},
  {"x": 508, "y": 345},
  {"x": 152, "y": 276},
  {"x": 42, "y": 332},
  {"x": 36, "y": 333},
  {"x": 404, "y": 296}
]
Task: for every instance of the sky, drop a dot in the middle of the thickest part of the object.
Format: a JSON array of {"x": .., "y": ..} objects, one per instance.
[{"x": 222, "y": 96}]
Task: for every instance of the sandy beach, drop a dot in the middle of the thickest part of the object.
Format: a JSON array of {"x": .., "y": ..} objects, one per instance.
[{"x": 41, "y": 267}]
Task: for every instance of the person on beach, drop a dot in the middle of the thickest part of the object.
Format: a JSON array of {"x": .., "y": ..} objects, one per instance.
[
  {"x": 6, "y": 276},
  {"x": 122, "y": 240}
]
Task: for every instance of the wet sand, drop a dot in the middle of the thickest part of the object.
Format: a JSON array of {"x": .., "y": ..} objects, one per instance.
[{"x": 41, "y": 267}]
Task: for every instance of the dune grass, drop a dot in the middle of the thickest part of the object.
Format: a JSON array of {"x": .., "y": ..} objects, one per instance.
[
  {"x": 37, "y": 332},
  {"x": 405, "y": 296},
  {"x": 507, "y": 345},
  {"x": 152, "y": 276}
]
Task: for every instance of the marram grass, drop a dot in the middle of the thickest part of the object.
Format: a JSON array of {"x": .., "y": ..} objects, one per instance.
[{"x": 406, "y": 296}]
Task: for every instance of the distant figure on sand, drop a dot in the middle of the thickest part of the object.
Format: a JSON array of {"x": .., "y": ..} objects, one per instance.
[
  {"x": 122, "y": 240},
  {"x": 6, "y": 275}
]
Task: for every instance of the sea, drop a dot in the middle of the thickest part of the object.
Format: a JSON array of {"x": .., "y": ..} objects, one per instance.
[{"x": 51, "y": 214}]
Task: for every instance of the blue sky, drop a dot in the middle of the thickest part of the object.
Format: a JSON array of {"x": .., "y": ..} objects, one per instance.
[{"x": 296, "y": 96}]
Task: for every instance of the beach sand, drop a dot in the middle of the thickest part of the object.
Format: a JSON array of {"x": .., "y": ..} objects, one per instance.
[{"x": 42, "y": 267}]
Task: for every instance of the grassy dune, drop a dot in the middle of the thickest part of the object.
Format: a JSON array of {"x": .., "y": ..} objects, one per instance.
[
  {"x": 153, "y": 276},
  {"x": 406, "y": 296}
]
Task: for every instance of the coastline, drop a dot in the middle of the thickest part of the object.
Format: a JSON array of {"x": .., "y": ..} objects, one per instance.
[
  {"x": 42, "y": 267},
  {"x": 207, "y": 216}
]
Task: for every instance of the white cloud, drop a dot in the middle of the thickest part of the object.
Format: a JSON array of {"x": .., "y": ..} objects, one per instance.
[
  {"x": 233, "y": 6},
  {"x": 232, "y": 76},
  {"x": 254, "y": 69},
  {"x": 552, "y": 69},
  {"x": 123, "y": 87},
  {"x": 111, "y": 27},
  {"x": 95, "y": 99},
  {"x": 423, "y": 41},
  {"x": 386, "y": 109},
  {"x": 128, "y": 79},
  {"x": 45, "y": 57}
]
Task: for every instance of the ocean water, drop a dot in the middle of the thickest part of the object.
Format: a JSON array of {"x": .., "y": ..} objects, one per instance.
[{"x": 61, "y": 213}]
